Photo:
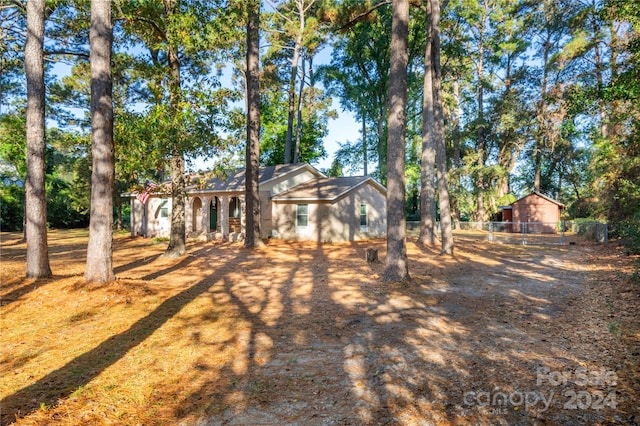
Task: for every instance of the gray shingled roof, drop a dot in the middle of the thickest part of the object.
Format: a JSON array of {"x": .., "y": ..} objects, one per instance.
[
  {"x": 328, "y": 188},
  {"x": 234, "y": 181}
]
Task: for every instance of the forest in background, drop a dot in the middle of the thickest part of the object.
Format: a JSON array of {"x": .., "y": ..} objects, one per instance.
[{"x": 536, "y": 95}]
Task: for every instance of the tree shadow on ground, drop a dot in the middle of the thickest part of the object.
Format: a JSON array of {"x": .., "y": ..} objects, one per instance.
[
  {"x": 316, "y": 338},
  {"x": 355, "y": 351},
  {"x": 61, "y": 383}
]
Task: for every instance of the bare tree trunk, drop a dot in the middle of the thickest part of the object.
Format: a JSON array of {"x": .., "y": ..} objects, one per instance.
[
  {"x": 288, "y": 147},
  {"x": 480, "y": 210},
  {"x": 382, "y": 145},
  {"x": 542, "y": 139},
  {"x": 35, "y": 196},
  {"x": 397, "y": 268},
  {"x": 252, "y": 191},
  {"x": 438, "y": 121},
  {"x": 99, "y": 251},
  {"x": 296, "y": 151},
  {"x": 365, "y": 157},
  {"x": 457, "y": 157},
  {"x": 177, "y": 236},
  {"x": 481, "y": 142},
  {"x": 118, "y": 202},
  {"x": 427, "y": 175}
]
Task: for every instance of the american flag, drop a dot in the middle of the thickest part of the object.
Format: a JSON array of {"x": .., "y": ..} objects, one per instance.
[{"x": 143, "y": 197}]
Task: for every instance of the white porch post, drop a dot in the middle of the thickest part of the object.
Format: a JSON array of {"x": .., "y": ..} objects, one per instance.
[
  {"x": 224, "y": 217},
  {"x": 243, "y": 214},
  {"x": 188, "y": 215},
  {"x": 205, "y": 215},
  {"x": 132, "y": 216}
]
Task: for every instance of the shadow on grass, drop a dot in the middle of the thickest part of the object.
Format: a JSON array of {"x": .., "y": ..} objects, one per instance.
[
  {"x": 15, "y": 294},
  {"x": 135, "y": 264},
  {"x": 346, "y": 350},
  {"x": 81, "y": 370}
]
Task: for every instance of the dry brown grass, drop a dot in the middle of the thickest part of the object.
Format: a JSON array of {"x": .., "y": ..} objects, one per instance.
[{"x": 301, "y": 333}]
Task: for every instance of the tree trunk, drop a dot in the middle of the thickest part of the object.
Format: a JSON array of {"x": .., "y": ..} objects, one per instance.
[
  {"x": 288, "y": 147},
  {"x": 35, "y": 196},
  {"x": 99, "y": 251},
  {"x": 252, "y": 192},
  {"x": 427, "y": 175},
  {"x": 480, "y": 144},
  {"x": 365, "y": 157},
  {"x": 438, "y": 127},
  {"x": 542, "y": 140},
  {"x": 396, "y": 267},
  {"x": 177, "y": 236},
  {"x": 481, "y": 137},
  {"x": 296, "y": 151},
  {"x": 118, "y": 202},
  {"x": 457, "y": 157},
  {"x": 382, "y": 145}
]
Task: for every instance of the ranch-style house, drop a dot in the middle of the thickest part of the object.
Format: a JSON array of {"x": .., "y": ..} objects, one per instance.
[{"x": 297, "y": 202}]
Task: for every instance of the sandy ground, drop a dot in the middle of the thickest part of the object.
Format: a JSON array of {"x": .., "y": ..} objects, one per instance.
[{"x": 306, "y": 334}]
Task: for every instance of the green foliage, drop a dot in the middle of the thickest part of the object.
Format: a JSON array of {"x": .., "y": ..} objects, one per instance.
[
  {"x": 506, "y": 199},
  {"x": 336, "y": 168},
  {"x": 60, "y": 205},
  {"x": 628, "y": 231},
  {"x": 11, "y": 207},
  {"x": 359, "y": 76},
  {"x": 274, "y": 129},
  {"x": 67, "y": 175},
  {"x": 583, "y": 208}
]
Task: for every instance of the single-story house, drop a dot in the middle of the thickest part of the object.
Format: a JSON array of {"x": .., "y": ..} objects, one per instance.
[
  {"x": 540, "y": 212},
  {"x": 297, "y": 202}
]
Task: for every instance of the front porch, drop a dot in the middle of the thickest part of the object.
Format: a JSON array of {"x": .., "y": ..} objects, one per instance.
[{"x": 216, "y": 217}]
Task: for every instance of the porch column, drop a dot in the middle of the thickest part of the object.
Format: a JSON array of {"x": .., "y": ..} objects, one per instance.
[
  {"x": 224, "y": 217},
  {"x": 188, "y": 215},
  {"x": 205, "y": 215},
  {"x": 243, "y": 214},
  {"x": 132, "y": 216}
]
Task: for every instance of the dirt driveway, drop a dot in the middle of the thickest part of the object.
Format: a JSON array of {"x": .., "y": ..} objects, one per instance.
[{"x": 306, "y": 334}]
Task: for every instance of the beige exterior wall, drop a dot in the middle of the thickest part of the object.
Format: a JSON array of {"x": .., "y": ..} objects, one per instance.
[
  {"x": 147, "y": 220},
  {"x": 328, "y": 222},
  {"x": 333, "y": 222},
  {"x": 265, "y": 214},
  {"x": 347, "y": 224},
  {"x": 284, "y": 183}
]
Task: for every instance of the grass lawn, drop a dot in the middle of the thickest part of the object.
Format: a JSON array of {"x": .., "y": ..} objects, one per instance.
[{"x": 301, "y": 333}]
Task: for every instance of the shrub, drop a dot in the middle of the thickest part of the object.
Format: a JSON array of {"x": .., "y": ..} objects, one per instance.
[{"x": 628, "y": 231}]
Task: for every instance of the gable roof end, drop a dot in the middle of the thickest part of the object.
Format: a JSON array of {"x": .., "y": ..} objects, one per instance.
[
  {"x": 327, "y": 189},
  {"x": 551, "y": 200},
  {"x": 235, "y": 181}
]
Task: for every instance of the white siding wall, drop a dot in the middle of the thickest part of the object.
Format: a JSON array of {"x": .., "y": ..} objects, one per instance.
[
  {"x": 333, "y": 222},
  {"x": 147, "y": 220},
  {"x": 287, "y": 182}
]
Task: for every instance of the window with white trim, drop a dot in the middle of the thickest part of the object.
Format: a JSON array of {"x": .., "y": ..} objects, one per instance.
[
  {"x": 364, "y": 219},
  {"x": 302, "y": 216}
]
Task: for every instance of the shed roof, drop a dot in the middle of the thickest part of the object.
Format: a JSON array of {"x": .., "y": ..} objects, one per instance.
[
  {"x": 326, "y": 189},
  {"x": 551, "y": 200}
]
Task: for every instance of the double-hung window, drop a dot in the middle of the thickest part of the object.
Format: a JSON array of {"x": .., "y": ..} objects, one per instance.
[
  {"x": 364, "y": 220},
  {"x": 302, "y": 217}
]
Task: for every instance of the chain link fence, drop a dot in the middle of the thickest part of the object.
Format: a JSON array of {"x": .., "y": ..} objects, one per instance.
[{"x": 560, "y": 233}]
